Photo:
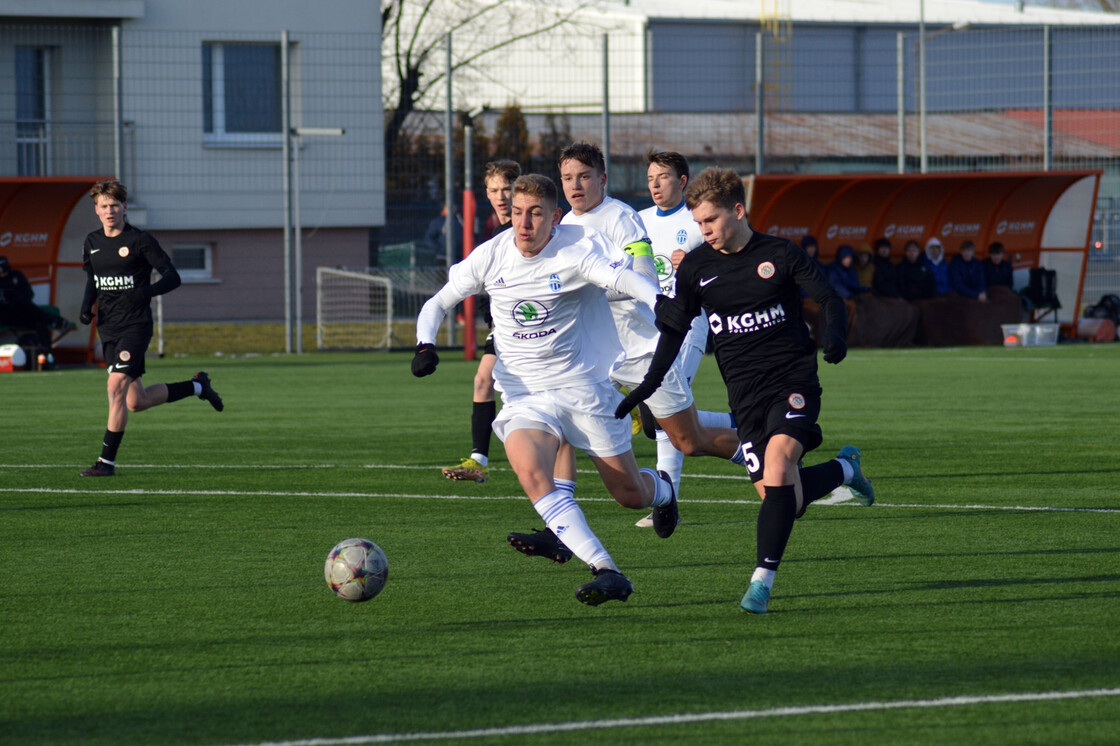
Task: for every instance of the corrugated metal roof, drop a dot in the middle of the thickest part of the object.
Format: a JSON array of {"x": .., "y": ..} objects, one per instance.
[{"x": 1014, "y": 134}]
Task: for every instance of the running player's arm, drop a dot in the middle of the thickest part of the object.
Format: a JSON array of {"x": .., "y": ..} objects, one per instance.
[
  {"x": 85, "y": 315},
  {"x": 463, "y": 280},
  {"x": 168, "y": 276},
  {"x": 616, "y": 277},
  {"x": 674, "y": 320},
  {"x": 810, "y": 278}
]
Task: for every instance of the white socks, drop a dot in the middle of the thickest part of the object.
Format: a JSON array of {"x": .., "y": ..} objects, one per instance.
[
  {"x": 669, "y": 459},
  {"x": 766, "y": 576},
  {"x": 849, "y": 472},
  {"x": 482, "y": 460},
  {"x": 564, "y": 517},
  {"x": 714, "y": 419},
  {"x": 661, "y": 493}
]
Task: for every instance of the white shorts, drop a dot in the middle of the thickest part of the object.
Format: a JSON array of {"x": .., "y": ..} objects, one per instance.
[
  {"x": 581, "y": 415},
  {"x": 675, "y": 392}
]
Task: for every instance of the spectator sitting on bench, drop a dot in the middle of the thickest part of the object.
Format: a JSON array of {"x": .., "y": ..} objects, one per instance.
[
  {"x": 966, "y": 273},
  {"x": 18, "y": 309},
  {"x": 915, "y": 278},
  {"x": 842, "y": 274},
  {"x": 935, "y": 259},
  {"x": 997, "y": 270},
  {"x": 885, "y": 281}
]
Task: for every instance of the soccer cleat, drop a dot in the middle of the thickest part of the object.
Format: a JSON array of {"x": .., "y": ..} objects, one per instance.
[
  {"x": 608, "y": 585},
  {"x": 100, "y": 469},
  {"x": 860, "y": 485},
  {"x": 645, "y": 522},
  {"x": 666, "y": 517},
  {"x": 756, "y": 599},
  {"x": 541, "y": 543},
  {"x": 208, "y": 392},
  {"x": 468, "y": 470}
]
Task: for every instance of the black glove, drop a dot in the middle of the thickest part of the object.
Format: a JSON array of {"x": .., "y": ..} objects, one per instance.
[
  {"x": 86, "y": 317},
  {"x": 835, "y": 348},
  {"x": 425, "y": 361},
  {"x": 640, "y": 394}
]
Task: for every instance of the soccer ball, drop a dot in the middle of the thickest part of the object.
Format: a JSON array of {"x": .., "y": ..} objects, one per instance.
[{"x": 356, "y": 569}]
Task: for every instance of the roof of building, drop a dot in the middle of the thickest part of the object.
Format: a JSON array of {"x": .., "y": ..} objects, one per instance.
[{"x": 937, "y": 12}]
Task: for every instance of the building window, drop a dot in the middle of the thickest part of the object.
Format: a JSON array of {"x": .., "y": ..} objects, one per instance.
[
  {"x": 32, "y": 111},
  {"x": 241, "y": 96},
  {"x": 194, "y": 261}
]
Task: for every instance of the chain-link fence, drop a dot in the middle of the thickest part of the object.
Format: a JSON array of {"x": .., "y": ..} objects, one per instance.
[{"x": 193, "y": 121}]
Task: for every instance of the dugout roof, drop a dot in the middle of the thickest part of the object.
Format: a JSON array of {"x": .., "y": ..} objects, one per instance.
[
  {"x": 1041, "y": 218},
  {"x": 42, "y": 228}
]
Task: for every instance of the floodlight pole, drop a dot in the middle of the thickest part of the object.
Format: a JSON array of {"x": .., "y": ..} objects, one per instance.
[{"x": 922, "y": 131}]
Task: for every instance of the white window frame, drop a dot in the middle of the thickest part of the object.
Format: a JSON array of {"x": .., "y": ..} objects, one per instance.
[
  {"x": 219, "y": 137},
  {"x": 197, "y": 276}
]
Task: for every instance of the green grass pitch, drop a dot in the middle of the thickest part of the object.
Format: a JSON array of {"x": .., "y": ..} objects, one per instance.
[{"x": 183, "y": 602}]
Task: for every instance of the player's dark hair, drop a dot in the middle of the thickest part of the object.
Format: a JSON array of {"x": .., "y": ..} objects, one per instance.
[
  {"x": 880, "y": 242},
  {"x": 537, "y": 185},
  {"x": 967, "y": 244},
  {"x": 585, "y": 153},
  {"x": 995, "y": 247},
  {"x": 669, "y": 159},
  {"x": 720, "y": 186},
  {"x": 109, "y": 188},
  {"x": 508, "y": 170}
]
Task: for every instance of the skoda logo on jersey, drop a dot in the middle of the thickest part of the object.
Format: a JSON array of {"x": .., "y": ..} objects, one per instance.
[
  {"x": 664, "y": 268},
  {"x": 682, "y": 237},
  {"x": 554, "y": 283},
  {"x": 530, "y": 313}
]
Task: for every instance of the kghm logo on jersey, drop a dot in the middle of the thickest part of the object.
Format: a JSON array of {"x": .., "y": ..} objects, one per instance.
[
  {"x": 796, "y": 401},
  {"x": 745, "y": 323},
  {"x": 529, "y": 313},
  {"x": 766, "y": 270}
]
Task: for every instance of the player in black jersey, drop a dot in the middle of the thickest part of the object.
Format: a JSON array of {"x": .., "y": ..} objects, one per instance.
[
  {"x": 749, "y": 284},
  {"x": 118, "y": 260},
  {"x": 498, "y": 178}
]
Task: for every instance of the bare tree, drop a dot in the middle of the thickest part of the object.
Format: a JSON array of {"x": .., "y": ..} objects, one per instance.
[{"x": 413, "y": 44}]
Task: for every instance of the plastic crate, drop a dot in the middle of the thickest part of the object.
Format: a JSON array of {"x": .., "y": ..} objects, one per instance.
[{"x": 1029, "y": 335}]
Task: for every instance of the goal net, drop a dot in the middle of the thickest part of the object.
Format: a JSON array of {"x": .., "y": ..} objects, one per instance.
[{"x": 354, "y": 310}]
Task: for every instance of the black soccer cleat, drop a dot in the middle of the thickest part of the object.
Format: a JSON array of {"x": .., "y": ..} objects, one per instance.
[
  {"x": 666, "y": 517},
  {"x": 208, "y": 392},
  {"x": 608, "y": 585},
  {"x": 541, "y": 543},
  {"x": 100, "y": 469}
]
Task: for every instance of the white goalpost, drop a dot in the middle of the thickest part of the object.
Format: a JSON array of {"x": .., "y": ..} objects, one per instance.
[{"x": 354, "y": 310}]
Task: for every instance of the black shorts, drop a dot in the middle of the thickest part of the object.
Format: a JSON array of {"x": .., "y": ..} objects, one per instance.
[
  {"x": 488, "y": 345},
  {"x": 791, "y": 411},
  {"x": 124, "y": 350}
]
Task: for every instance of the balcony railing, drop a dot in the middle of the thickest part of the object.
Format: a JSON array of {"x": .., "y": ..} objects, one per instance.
[{"x": 47, "y": 147}]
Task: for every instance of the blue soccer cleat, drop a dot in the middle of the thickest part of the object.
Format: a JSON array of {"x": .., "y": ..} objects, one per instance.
[
  {"x": 756, "y": 599},
  {"x": 860, "y": 485}
]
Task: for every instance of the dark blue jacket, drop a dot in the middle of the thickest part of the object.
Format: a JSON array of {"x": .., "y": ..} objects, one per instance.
[
  {"x": 967, "y": 277},
  {"x": 844, "y": 280}
]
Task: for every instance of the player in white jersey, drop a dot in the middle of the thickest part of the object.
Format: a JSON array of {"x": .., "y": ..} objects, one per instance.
[
  {"x": 583, "y": 176},
  {"x": 545, "y": 282},
  {"x": 672, "y": 234}
]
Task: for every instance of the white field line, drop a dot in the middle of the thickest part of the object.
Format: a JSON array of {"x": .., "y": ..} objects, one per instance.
[
  {"x": 841, "y": 496},
  {"x": 703, "y": 717}
]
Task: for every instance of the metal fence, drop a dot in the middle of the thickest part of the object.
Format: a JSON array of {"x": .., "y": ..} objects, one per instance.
[{"x": 793, "y": 98}]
